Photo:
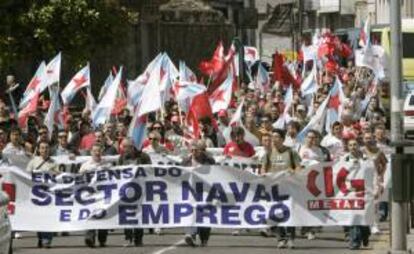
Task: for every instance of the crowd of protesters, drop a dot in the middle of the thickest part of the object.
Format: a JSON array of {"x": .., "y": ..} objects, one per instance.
[{"x": 361, "y": 133}]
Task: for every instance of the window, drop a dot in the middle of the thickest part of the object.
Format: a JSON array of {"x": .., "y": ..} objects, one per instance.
[{"x": 408, "y": 42}]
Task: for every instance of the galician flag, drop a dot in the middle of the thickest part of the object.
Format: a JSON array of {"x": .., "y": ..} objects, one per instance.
[
  {"x": 80, "y": 80},
  {"x": 52, "y": 74},
  {"x": 220, "y": 98},
  {"x": 34, "y": 85},
  {"x": 103, "y": 110}
]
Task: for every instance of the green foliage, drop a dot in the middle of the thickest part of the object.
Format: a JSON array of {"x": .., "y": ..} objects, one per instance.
[{"x": 40, "y": 28}]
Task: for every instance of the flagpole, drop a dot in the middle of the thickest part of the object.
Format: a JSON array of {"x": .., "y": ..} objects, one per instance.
[
  {"x": 180, "y": 115},
  {"x": 209, "y": 80},
  {"x": 13, "y": 104},
  {"x": 162, "y": 114}
]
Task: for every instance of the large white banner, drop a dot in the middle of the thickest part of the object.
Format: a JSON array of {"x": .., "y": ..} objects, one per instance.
[
  {"x": 173, "y": 196},
  {"x": 72, "y": 164}
]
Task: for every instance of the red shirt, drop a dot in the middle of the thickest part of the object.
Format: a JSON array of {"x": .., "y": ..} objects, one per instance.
[
  {"x": 244, "y": 150},
  {"x": 87, "y": 141}
]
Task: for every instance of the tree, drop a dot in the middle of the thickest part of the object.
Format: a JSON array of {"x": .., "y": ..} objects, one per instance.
[{"x": 40, "y": 28}]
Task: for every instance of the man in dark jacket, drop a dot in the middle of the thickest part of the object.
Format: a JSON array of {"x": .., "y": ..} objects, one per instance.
[{"x": 129, "y": 155}]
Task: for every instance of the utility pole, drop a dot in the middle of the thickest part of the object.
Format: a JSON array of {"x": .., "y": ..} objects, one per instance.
[{"x": 399, "y": 212}]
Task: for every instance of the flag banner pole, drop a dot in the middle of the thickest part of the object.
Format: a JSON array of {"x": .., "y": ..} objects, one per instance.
[
  {"x": 209, "y": 80},
  {"x": 180, "y": 115},
  {"x": 162, "y": 113},
  {"x": 13, "y": 104}
]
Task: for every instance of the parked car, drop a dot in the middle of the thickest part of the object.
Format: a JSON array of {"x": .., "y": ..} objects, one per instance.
[{"x": 5, "y": 226}]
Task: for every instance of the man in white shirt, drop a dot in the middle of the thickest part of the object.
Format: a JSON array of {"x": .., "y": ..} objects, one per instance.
[
  {"x": 43, "y": 163},
  {"x": 333, "y": 141},
  {"x": 96, "y": 162},
  {"x": 310, "y": 153},
  {"x": 292, "y": 131}
]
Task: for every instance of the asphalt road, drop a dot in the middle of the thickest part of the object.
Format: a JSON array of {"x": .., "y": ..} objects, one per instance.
[{"x": 331, "y": 240}]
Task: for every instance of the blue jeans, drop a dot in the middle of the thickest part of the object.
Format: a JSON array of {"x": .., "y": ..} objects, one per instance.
[
  {"x": 45, "y": 237},
  {"x": 358, "y": 235},
  {"x": 287, "y": 233},
  {"x": 203, "y": 232},
  {"x": 383, "y": 210}
]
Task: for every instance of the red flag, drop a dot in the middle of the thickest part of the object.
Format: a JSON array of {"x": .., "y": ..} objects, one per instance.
[
  {"x": 29, "y": 109},
  {"x": 121, "y": 99},
  {"x": 327, "y": 48},
  {"x": 281, "y": 72},
  {"x": 346, "y": 50},
  {"x": 120, "y": 104},
  {"x": 200, "y": 105},
  {"x": 221, "y": 75},
  {"x": 193, "y": 121},
  {"x": 331, "y": 66},
  {"x": 277, "y": 67},
  {"x": 215, "y": 64},
  {"x": 288, "y": 79}
]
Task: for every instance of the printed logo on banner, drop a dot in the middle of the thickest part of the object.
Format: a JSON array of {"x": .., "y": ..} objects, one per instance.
[{"x": 331, "y": 200}]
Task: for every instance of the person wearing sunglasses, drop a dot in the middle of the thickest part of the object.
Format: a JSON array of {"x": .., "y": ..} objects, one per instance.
[
  {"x": 158, "y": 127},
  {"x": 62, "y": 147},
  {"x": 155, "y": 146}
]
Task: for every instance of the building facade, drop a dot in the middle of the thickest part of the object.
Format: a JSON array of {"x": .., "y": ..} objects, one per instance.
[{"x": 379, "y": 11}]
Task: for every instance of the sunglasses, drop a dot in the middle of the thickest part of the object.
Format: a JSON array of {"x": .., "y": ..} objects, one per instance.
[{"x": 156, "y": 139}]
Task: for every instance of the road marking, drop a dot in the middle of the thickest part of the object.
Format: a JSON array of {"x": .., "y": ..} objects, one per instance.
[{"x": 172, "y": 247}]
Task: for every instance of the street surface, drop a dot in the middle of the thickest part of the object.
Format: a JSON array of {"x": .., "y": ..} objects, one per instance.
[{"x": 331, "y": 240}]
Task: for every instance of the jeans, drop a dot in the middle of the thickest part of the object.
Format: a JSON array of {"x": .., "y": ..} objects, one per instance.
[
  {"x": 102, "y": 235},
  {"x": 383, "y": 211},
  {"x": 203, "y": 232},
  {"x": 135, "y": 235},
  {"x": 286, "y": 233},
  {"x": 358, "y": 235},
  {"x": 45, "y": 238}
]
